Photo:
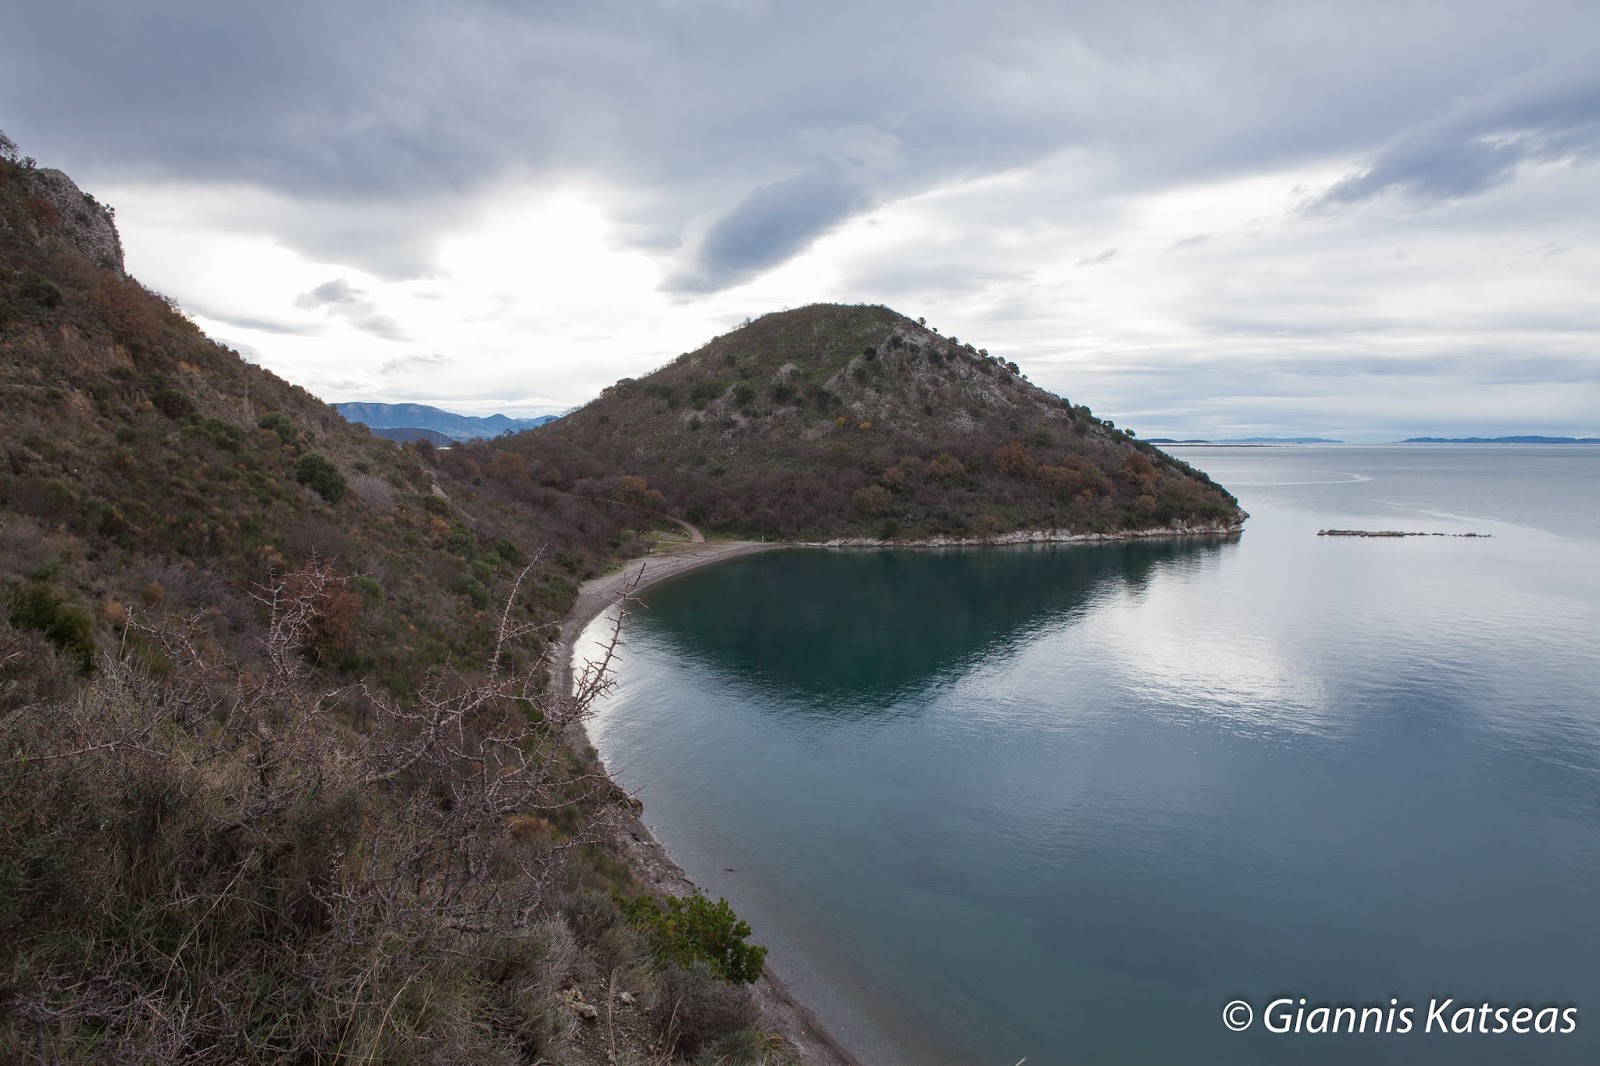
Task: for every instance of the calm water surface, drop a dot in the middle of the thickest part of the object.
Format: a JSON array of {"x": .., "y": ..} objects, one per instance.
[{"x": 1065, "y": 802}]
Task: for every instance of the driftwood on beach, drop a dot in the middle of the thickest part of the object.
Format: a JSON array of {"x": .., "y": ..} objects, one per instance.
[{"x": 1390, "y": 533}]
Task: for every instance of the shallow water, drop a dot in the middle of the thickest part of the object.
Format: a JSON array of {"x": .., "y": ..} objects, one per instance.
[{"x": 1065, "y": 802}]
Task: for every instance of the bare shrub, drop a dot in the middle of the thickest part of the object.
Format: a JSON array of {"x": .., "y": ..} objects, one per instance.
[
  {"x": 374, "y": 491},
  {"x": 692, "y": 1010},
  {"x": 214, "y": 863}
]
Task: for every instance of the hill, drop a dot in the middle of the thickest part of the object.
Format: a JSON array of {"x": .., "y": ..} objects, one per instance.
[
  {"x": 855, "y": 421},
  {"x": 405, "y": 435},
  {"x": 281, "y": 774},
  {"x": 420, "y": 416}
]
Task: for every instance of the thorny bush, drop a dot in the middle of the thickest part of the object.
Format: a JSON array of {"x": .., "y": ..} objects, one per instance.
[{"x": 213, "y": 864}]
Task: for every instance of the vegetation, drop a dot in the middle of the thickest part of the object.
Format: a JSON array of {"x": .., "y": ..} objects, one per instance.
[
  {"x": 321, "y": 475},
  {"x": 281, "y": 774},
  {"x": 692, "y": 929},
  {"x": 834, "y": 420}
]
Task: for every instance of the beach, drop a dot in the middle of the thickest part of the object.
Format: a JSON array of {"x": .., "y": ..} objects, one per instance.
[{"x": 808, "y": 1040}]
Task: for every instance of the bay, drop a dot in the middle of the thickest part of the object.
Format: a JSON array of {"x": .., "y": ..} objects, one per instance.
[{"x": 1067, "y": 801}]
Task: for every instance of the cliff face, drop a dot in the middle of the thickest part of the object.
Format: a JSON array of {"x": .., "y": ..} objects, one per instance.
[{"x": 53, "y": 214}]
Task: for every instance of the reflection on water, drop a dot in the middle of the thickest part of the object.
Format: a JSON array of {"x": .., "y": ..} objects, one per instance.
[
  {"x": 852, "y": 631},
  {"x": 1066, "y": 802}
]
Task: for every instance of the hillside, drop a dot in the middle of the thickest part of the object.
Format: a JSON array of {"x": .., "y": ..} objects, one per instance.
[
  {"x": 413, "y": 416},
  {"x": 282, "y": 776},
  {"x": 832, "y": 420}
]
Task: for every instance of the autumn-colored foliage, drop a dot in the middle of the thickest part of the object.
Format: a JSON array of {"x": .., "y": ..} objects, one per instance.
[{"x": 1013, "y": 459}]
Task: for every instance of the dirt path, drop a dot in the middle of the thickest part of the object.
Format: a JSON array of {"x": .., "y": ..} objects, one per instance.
[{"x": 695, "y": 536}]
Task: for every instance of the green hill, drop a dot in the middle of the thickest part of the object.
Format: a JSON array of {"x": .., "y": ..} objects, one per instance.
[{"x": 854, "y": 421}]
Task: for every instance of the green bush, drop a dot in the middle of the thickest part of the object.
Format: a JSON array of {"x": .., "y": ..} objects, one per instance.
[
  {"x": 315, "y": 470},
  {"x": 172, "y": 403},
  {"x": 279, "y": 423},
  {"x": 39, "y": 607},
  {"x": 693, "y": 928},
  {"x": 39, "y": 290}
]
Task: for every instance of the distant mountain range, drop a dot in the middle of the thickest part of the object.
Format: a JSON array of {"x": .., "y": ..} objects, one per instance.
[
  {"x": 391, "y": 419},
  {"x": 1501, "y": 440},
  {"x": 1249, "y": 440}
]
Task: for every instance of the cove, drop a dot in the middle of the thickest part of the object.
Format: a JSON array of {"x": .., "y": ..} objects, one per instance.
[{"x": 1067, "y": 801}]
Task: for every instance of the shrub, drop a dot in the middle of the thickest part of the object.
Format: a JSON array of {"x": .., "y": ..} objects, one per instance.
[
  {"x": 692, "y": 929},
  {"x": 694, "y": 1010},
  {"x": 39, "y": 607},
  {"x": 172, "y": 403},
  {"x": 704, "y": 392},
  {"x": 872, "y": 501},
  {"x": 39, "y": 290},
  {"x": 323, "y": 477},
  {"x": 1013, "y": 459},
  {"x": 279, "y": 423}
]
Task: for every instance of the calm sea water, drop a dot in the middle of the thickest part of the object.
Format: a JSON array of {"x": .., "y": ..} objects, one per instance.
[{"x": 1066, "y": 802}]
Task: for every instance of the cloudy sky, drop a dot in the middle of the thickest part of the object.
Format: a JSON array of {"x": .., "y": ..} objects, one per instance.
[{"x": 1340, "y": 218}]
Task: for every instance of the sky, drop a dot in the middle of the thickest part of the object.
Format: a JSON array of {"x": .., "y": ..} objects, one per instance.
[{"x": 1322, "y": 217}]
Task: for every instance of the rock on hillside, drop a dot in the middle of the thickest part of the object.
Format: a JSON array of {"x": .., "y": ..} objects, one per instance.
[
  {"x": 835, "y": 420},
  {"x": 56, "y": 215}
]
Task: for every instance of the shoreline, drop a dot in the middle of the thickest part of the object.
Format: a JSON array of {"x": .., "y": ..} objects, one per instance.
[
  {"x": 797, "y": 1024},
  {"x": 801, "y": 1030}
]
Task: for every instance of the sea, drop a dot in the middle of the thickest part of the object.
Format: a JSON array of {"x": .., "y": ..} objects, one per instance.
[{"x": 1275, "y": 798}]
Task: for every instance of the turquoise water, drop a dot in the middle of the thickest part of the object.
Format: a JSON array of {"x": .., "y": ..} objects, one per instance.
[{"x": 1065, "y": 802}]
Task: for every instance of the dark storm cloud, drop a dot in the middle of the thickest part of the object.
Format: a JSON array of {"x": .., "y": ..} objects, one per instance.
[
  {"x": 363, "y": 113},
  {"x": 773, "y": 223}
]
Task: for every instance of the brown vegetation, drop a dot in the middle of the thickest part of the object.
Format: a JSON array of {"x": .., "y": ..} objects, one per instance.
[{"x": 835, "y": 420}]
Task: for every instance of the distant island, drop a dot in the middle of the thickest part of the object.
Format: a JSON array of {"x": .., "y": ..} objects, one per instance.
[
  {"x": 1501, "y": 440},
  {"x": 1247, "y": 440},
  {"x": 416, "y": 421}
]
